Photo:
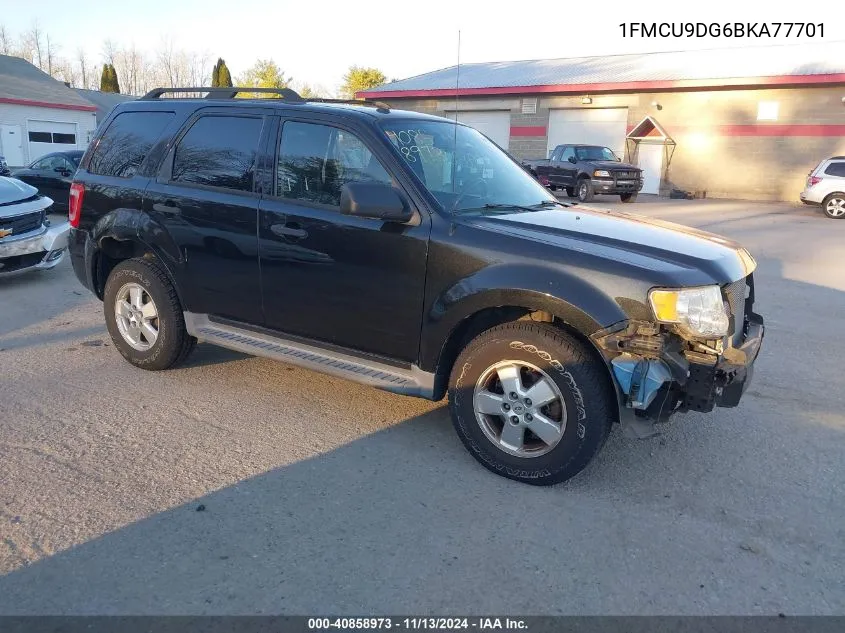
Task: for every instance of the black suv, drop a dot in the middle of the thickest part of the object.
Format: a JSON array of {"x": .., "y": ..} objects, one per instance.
[{"x": 410, "y": 253}]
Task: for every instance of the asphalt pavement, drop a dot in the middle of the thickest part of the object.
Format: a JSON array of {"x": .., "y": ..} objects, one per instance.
[{"x": 236, "y": 485}]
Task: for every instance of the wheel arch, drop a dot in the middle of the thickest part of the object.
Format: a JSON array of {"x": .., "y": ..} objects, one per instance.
[
  {"x": 127, "y": 234},
  {"x": 494, "y": 307}
]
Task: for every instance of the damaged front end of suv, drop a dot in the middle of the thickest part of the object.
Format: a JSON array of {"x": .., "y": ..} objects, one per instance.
[{"x": 697, "y": 353}]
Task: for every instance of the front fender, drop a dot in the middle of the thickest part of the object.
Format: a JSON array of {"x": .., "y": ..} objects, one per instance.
[{"x": 572, "y": 299}]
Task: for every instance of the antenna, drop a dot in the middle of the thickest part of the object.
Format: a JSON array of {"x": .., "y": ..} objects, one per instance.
[{"x": 455, "y": 141}]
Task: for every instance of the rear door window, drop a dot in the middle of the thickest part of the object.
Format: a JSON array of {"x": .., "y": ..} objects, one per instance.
[
  {"x": 836, "y": 169},
  {"x": 219, "y": 151},
  {"x": 126, "y": 142}
]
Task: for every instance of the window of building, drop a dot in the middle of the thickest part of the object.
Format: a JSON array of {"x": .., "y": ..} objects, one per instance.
[
  {"x": 767, "y": 111},
  {"x": 67, "y": 139},
  {"x": 315, "y": 161},
  {"x": 219, "y": 151},
  {"x": 40, "y": 137},
  {"x": 835, "y": 169},
  {"x": 126, "y": 142}
]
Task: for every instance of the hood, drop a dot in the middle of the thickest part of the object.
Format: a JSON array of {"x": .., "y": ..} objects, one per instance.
[
  {"x": 612, "y": 164},
  {"x": 17, "y": 198},
  {"x": 13, "y": 190},
  {"x": 676, "y": 254}
]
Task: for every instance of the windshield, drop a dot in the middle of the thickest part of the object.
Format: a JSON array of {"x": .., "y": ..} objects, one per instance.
[
  {"x": 462, "y": 169},
  {"x": 594, "y": 153}
]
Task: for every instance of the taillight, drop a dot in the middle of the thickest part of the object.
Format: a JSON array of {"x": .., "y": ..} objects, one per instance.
[
  {"x": 813, "y": 180},
  {"x": 77, "y": 191}
]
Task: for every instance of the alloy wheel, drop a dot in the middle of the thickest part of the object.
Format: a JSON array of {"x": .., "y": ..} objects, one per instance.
[
  {"x": 136, "y": 316},
  {"x": 519, "y": 408},
  {"x": 835, "y": 207}
]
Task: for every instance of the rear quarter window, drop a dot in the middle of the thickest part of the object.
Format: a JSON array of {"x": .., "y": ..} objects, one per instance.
[
  {"x": 836, "y": 169},
  {"x": 126, "y": 142}
]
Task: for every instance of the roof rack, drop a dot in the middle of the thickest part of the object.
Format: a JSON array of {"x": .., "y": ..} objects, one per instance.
[
  {"x": 224, "y": 92},
  {"x": 285, "y": 93},
  {"x": 379, "y": 105}
]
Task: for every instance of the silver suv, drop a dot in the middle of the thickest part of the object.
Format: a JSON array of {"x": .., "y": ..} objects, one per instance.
[{"x": 826, "y": 187}]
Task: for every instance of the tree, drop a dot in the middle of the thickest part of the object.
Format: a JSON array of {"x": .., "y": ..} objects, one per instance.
[
  {"x": 5, "y": 41},
  {"x": 220, "y": 75},
  {"x": 311, "y": 91},
  {"x": 358, "y": 78},
  {"x": 108, "y": 80},
  {"x": 264, "y": 74}
]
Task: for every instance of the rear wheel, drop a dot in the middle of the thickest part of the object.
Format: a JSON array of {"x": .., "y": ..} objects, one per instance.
[
  {"x": 834, "y": 206},
  {"x": 144, "y": 317},
  {"x": 530, "y": 403},
  {"x": 628, "y": 197},
  {"x": 584, "y": 190}
]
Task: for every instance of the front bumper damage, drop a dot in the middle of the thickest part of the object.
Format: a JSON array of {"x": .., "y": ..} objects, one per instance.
[
  {"x": 39, "y": 249},
  {"x": 658, "y": 373}
]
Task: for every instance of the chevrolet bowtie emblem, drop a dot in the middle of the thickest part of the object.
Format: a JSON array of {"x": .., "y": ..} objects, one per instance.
[{"x": 5, "y": 232}]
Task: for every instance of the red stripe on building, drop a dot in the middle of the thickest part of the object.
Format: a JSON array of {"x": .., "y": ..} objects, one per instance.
[
  {"x": 631, "y": 86},
  {"x": 44, "y": 104},
  {"x": 528, "y": 130}
]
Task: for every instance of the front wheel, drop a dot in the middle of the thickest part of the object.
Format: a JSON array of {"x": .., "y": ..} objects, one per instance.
[
  {"x": 144, "y": 317},
  {"x": 584, "y": 190},
  {"x": 834, "y": 206},
  {"x": 530, "y": 403},
  {"x": 628, "y": 197}
]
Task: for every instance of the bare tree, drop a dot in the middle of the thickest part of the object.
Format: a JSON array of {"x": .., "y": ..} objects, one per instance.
[
  {"x": 50, "y": 51},
  {"x": 5, "y": 41},
  {"x": 83, "y": 67},
  {"x": 110, "y": 50},
  {"x": 33, "y": 42}
]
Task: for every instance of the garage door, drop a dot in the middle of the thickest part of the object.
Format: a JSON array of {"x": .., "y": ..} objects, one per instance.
[
  {"x": 49, "y": 136},
  {"x": 495, "y": 124},
  {"x": 589, "y": 126}
]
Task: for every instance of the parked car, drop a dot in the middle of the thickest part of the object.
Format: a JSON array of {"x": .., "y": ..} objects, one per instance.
[
  {"x": 27, "y": 238},
  {"x": 586, "y": 170},
  {"x": 51, "y": 175},
  {"x": 826, "y": 187},
  {"x": 434, "y": 264},
  {"x": 4, "y": 168}
]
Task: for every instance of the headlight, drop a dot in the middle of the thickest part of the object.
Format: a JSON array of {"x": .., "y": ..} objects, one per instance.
[
  {"x": 601, "y": 173},
  {"x": 700, "y": 312}
]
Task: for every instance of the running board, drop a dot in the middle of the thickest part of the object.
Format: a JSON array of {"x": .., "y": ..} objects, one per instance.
[{"x": 409, "y": 382}]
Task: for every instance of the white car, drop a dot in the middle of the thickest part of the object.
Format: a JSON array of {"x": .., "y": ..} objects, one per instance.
[
  {"x": 826, "y": 187},
  {"x": 27, "y": 238}
]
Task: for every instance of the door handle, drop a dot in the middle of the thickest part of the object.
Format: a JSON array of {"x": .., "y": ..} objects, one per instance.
[
  {"x": 289, "y": 230},
  {"x": 167, "y": 207}
]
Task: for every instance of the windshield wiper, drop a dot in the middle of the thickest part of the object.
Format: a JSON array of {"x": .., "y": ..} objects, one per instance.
[
  {"x": 546, "y": 203},
  {"x": 490, "y": 206}
]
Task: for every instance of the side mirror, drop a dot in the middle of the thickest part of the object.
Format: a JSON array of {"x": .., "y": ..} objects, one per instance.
[
  {"x": 374, "y": 200},
  {"x": 572, "y": 160}
]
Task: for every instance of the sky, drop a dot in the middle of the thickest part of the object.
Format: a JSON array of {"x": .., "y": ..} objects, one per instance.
[{"x": 316, "y": 41}]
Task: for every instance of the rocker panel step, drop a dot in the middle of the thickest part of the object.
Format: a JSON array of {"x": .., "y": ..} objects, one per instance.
[{"x": 410, "y": 382}]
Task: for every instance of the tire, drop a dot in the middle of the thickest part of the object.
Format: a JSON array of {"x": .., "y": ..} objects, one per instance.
[
  {"x": 147, "y": 279},
  {"x": 584, "y": 190},
  {"x": 628, "y": 197},
  {"x": 834, "y": 206},
  {"x": 582, "y": 412},
  {"x": 570, "y": 191}
]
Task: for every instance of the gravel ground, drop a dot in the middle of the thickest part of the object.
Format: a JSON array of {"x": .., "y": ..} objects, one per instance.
[{"x": 237, "y": 485}]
